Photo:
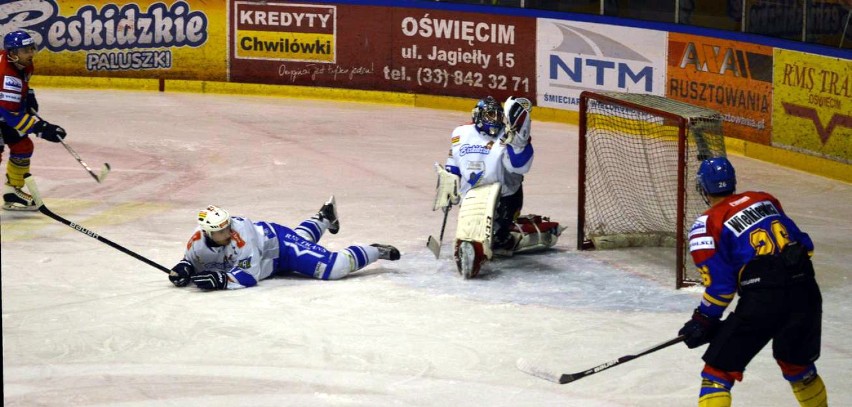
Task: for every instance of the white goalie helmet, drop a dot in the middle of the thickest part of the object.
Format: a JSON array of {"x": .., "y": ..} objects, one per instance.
[{"x": 213, "y": 219}]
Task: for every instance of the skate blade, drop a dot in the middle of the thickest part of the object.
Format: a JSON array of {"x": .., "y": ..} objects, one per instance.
[
  {"x": 467, "y": 259},
  {"x": 20, "y": 208}
]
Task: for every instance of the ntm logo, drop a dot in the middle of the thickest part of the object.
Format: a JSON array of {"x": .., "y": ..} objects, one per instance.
[{"x": 599, "y": 62}]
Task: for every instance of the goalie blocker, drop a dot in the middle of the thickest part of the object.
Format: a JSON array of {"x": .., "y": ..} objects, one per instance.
[{"x": 474, "y": 232}]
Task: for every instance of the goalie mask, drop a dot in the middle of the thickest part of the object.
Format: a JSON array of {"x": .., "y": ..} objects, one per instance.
[
  {"x": 213, "y": 219},
  {"x": 488, "y": 117}
]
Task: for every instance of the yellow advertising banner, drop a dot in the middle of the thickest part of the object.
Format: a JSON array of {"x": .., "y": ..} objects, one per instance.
[
  {"x": 812, "y": 109},
  {"x": 171, "y": 39}
]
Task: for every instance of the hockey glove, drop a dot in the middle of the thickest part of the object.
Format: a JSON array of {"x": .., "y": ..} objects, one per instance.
[
  {"x": 32, "y": 103},
  {"x": 447, "y": 190},
  {"x": 700, "y": 329},
  {"x": 210, "y": 280},
  {"x": 181, "y": 273},
  {"x": 49, "y": 132},
  {"x": 517, "y": 113}
]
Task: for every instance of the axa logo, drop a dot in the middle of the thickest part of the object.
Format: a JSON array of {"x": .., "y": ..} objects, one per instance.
[
  {"x": 810, "y": 113},
  {"x": 726, "y": 61},
  {"x": 590, "y": 59}
]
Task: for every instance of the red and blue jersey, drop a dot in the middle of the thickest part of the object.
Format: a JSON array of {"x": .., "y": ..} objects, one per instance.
[
  {"x": 13, "y": 95},
  {"x": 730, "y": 234}
]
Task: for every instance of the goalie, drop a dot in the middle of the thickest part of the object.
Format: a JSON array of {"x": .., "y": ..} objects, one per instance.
[{"x": 484, "y": 173}]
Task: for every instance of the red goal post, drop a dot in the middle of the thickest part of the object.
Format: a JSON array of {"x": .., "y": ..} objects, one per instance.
[{"x": 638, "y": 155}]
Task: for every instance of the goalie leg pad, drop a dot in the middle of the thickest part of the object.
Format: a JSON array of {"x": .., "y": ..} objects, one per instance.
[
  {"x": 535, "y": 233},
  {"x": 476, "y": 216},
  {"x": 474, "y": 229}
]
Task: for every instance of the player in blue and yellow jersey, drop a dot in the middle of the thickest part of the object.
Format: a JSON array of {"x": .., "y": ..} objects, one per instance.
[
  {"x": 18, "y": 118},
  {"x": 745, "y": 244}
]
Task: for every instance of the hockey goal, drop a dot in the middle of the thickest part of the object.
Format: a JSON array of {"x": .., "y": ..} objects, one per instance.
[{"x": 638, "y": 157}]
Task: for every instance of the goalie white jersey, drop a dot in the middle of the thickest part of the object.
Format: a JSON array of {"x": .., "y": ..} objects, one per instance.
[
  {"x": 482, "y": 160},
  {"x": 247, "y": 258}
]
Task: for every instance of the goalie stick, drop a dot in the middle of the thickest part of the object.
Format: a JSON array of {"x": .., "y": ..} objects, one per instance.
[
  {"x": 531, "y": 369},
  {"x": 433, "y": 244},
  {"x": 33, "y": 189}
]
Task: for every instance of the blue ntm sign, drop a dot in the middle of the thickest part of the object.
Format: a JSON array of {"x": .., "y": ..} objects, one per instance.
[{"x": 604, "y": 72}]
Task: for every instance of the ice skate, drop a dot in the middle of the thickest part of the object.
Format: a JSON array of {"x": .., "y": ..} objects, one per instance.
[
  {"x": 15, "y": 199},
  {"x": 386, "y": 251},
  {"x": 329, "y": 212},
  {"x": 506, "y": 247},
  {"x": 469, "y": 258}
]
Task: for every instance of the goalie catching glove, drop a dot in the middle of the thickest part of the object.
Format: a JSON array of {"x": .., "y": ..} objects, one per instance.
[
  {"x": 518, "y": 122},
  {"x": 447, "y": 191}
]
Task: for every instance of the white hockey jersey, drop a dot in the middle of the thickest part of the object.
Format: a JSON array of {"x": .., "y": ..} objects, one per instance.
[
  {"x": 482, "y": 160},
  {"x": 247, "y": 259}
]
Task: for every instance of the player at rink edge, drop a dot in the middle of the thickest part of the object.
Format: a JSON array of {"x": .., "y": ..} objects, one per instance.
[
  {"x": 230, "y": 252},
  {"x": 484, "y": 174},
  {"x": 746, "y": 245},
  {"x": 19, "y": 117}
]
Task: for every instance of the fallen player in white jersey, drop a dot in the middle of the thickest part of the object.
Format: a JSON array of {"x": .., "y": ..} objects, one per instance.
[{"x": 230, "y": 252}]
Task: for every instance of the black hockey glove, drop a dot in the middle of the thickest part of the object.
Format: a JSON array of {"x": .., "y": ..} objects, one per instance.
[
  {"x": 700, "y": 329},
  {"x": 210, "y": 280},
  {"x": 49, "y": 132},
  {"x": 32, "y": 103},
  {"x": 181, "y": 273}
]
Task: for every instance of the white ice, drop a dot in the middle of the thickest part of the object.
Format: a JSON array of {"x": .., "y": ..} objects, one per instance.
[{"x": 87, "y": 325}]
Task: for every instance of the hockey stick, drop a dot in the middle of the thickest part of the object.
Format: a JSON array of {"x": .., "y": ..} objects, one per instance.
[
  {"x": 435, "y": 245},
  {"x": 98, "y": 177},
  {"x": 33, "y": 189},
  {"x": 528, "y": 368}
]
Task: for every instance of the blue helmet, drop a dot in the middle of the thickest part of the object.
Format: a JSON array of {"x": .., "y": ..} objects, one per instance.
[
  {"x": 716, "y": 176},
  {"x": 17, "y": 39},
  {"x": 488, "y": 117}
]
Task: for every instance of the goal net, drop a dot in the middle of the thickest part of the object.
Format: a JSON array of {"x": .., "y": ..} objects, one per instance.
[{"x": 638, "y": 158}]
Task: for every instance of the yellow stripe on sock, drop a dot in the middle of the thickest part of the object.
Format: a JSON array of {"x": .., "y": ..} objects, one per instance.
[
  {"x": 811, "y": 393},
  {"x": 718, "y": 399},
  {"x": 15, "y": 173}
]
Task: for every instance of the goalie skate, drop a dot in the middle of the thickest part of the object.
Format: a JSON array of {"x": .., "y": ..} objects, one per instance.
[
  {"x": 534, "y": 233},
  {"x": 469, "y": 257}
]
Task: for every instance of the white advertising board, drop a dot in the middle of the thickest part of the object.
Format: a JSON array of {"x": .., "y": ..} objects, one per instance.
[{"x": 576, "y": 56}]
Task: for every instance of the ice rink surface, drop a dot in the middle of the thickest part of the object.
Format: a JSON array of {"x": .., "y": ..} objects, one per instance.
[{"x": 87, "y": 325}]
